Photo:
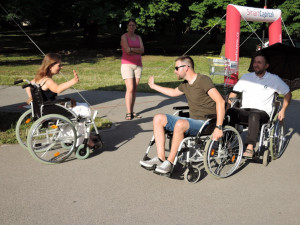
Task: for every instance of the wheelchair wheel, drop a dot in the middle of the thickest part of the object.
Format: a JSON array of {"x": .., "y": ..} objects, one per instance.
[
  {"x": 192, "y": 176},
  {"x": 82, "y": 153},
  {"x": 266, "y": 157},
  {"x": 23, "y": 126},
  {"x": 46, "y": 136},
  {"x": 277, "y": 138},
  {"x": 222, "y": 157}
]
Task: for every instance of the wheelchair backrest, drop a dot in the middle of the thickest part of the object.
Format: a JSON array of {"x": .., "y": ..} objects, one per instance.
[
  {"x": 276, "y": 105},
  {"x": 41, "y": 107},
  {"x": 37, "y": 99}
]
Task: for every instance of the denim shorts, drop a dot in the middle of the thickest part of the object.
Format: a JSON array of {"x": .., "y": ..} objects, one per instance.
[{"x": 194, "y": 128}]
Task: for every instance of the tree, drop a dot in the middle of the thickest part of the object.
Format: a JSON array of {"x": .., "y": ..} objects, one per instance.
[
  {"x": 150, "y": 15},
  {"x": 291, "y": 16}
]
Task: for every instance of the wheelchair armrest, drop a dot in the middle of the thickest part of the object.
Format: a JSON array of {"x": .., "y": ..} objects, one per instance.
[
  {"x": 211, "y": 116},
  {"x": 57, "y": 101},
  {"x": 180, "y": 107},
  {"x": 235, "y": 102}
]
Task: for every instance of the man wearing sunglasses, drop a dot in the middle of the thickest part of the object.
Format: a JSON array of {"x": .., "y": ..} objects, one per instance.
[{"x": 203, "y": 99}]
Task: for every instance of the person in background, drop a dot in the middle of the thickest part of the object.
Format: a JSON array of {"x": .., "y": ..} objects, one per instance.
[{"x": 131, "y": 66}]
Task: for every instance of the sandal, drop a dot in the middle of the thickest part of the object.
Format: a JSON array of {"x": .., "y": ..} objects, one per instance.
[
  {"x": 96, "y": 142},
  {"x": 248, "y": 154},
  {"x": 136, "y": 115},
  {"x": 129, "y": 116}
]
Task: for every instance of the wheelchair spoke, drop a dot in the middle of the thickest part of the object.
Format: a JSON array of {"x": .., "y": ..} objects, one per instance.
[
  {"x": 223, "y": 157},
  {"x": 52, "y": 139}
]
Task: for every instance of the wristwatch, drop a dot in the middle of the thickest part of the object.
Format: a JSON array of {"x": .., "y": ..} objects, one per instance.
[{"x": 220, "y": 127}]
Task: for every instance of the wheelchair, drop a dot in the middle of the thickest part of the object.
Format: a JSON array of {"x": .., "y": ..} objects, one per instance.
[
  {"x": 220, "y": 158},
  {"x": 51, "y": 131},
  {"x": 271, "y": 136}
]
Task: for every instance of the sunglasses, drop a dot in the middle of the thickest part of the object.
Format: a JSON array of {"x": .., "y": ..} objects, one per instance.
[{"x": 177, "y": 67}]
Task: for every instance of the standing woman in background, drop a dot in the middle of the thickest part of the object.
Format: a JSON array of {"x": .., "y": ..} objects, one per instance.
[{"x": 131, "y": 66}]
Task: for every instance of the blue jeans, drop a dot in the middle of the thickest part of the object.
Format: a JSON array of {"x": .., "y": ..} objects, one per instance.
[{"x": 194, "y": 128}]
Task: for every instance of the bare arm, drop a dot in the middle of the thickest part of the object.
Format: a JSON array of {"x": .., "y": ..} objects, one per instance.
[
  {"x": 139, "y": 50},
  {"x": 58, "y": 88},
  {"x": 220, "y": 108},
  {"x": 124, "y": 44},
  {"x": 286, "y": 102},
  {"x": 172, "y": 92}
]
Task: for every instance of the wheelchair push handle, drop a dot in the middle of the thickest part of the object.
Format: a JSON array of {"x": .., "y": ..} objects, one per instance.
[
  {"x": 18, "y": 82},
  {"x": 26, "y": 85},
  {"x": 21, "y": 81}
]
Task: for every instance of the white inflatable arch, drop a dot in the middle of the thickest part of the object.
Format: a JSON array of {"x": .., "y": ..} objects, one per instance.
[{"x": 233, "y": 19}]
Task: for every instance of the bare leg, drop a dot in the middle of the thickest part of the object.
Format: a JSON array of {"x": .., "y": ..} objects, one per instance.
[
  {"x": 181, "y": 126},
  {"x": 130, "y": 86},
  {"x": 249, "y": 146},
  {"x": 159, "y": 122},
  {"x": 136, "y": 83}
]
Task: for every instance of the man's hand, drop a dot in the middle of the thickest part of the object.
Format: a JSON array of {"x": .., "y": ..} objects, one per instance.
[
  {"x": 217, "y": 134},
  {"x": 281, "y": 115},
  {"x": 151, "y": 82},
  {"x": 76, "y": 78}
]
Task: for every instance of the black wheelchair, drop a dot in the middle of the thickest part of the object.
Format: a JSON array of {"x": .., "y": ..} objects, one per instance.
[
  {"x": 271, "y": 136},
  {"x": 220, "y": 158},
  {"x": 51, "y": 131}
]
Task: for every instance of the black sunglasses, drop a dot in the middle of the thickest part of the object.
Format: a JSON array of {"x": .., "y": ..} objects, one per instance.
[{"x": 177, "y": 67}]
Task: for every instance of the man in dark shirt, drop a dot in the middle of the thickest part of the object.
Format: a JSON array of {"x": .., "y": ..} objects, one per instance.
[{"x": 203, "y": 99}]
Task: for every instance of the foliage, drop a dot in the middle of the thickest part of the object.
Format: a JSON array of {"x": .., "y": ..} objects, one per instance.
[
  {"x": 149, "y": 14},
  {"x": 291, "y": 16},
  {"x": 152, "y": 16}
]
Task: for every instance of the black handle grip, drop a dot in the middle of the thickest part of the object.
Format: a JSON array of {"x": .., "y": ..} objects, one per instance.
[
  {"x": 18, "y": 81},
  {"x": 25, "y": 85}
]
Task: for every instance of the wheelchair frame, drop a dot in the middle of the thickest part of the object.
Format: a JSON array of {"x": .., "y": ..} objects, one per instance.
[
  {"x": 52, "y": 137},
  {"x": 220, "y": 158},
  {"x": 271, "y": 138}
]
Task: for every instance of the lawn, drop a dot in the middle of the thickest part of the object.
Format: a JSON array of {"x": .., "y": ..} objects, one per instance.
[{"x": 99, "y": 68}]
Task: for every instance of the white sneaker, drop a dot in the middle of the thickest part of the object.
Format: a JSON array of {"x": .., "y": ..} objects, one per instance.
[
  {"x": 165, "y": 168},
  {"x": 151, "y": 164}
]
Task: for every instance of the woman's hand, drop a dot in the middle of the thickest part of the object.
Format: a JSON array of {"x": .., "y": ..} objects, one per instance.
[{"x": 151, "y": 82}]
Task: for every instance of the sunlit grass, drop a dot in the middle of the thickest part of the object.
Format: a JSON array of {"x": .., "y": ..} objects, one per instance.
[{"x": 103, "y": 73}]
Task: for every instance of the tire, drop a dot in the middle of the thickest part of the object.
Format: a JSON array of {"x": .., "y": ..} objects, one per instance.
[
  {"x": 277, "y": 138},
  {"x": 266, "y": 157},
  {"x": 82, "y": 153},
  {"x": 22, "y": 128},
  {"x": 47, "y": 134},
  {"x": 192, "y": 177},
  {"x": 222, "y": 157}
]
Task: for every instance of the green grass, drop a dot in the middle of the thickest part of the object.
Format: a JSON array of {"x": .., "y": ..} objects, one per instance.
[
  {"x": 103, "y": 73},
  {"x": 99, "y": 69}
]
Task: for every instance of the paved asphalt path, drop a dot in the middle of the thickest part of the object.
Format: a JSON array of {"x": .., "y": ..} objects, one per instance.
[{"x": 111, "y": 188}]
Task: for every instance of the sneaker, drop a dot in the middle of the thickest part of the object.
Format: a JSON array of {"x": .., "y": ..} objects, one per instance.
[
  {"x": 151, "y": 164},
  {"x": 165, "y": 168}
]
